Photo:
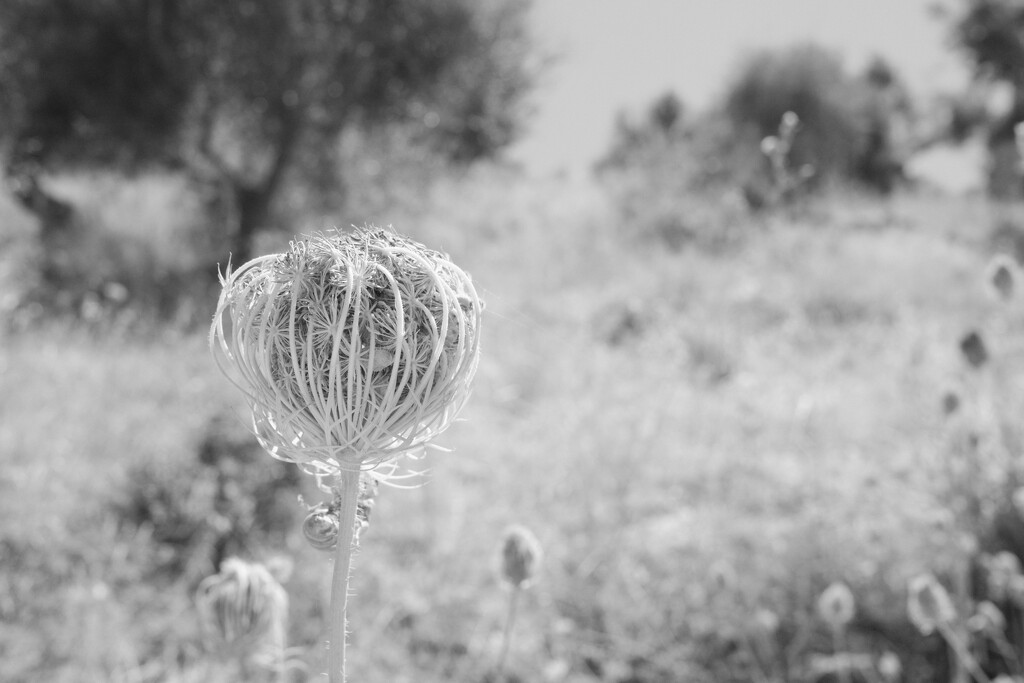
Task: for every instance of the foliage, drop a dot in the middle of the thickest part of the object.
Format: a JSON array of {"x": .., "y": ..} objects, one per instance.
[{"x": 240, "y": 94}]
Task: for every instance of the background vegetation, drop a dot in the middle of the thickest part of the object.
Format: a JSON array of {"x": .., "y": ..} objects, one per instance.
[{"x": 750, "y": 360}]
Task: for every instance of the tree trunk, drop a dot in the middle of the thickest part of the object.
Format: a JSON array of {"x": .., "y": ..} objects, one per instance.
[{"x": 252, "y": 206}]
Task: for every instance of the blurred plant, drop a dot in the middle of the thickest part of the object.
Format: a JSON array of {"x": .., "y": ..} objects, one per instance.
[
  {"x": 244, "y": 608},
  {"x": 931, "y": 609},
  {"x": 521, "y": 555},
  {"x": 851, "y": 124},
  {"x": 784, "y": 181},
  {"x": 974, "y": 350},
  {"x": 352, "y": 350}
]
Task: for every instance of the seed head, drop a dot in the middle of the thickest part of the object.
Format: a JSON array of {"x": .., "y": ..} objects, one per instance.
[
  {"x": 836, "y": 606},
  {"x": 243, "y": 605},
  {"x": 352, "y": 348},
  {"x": 928, "y": 604},
  {"x": 520, "y": 557}
]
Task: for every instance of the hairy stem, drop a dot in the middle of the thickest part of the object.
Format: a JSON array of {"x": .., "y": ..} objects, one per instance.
[{"x": 348, "y": 488}]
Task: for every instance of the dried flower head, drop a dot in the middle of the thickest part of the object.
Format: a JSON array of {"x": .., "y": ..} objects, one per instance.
[
  {"x": 928, "y": 604},
  {"x": 520, "y": 557},
  {"x": 836, "y": 605},
  {"x": 1002, "y": 275},
  {"x": 352, "y": 348},
  {"x": 243, "y": 606}
]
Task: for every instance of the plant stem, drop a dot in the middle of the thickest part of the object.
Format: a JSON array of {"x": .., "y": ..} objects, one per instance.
[
  {"x": 348, "y": 491},
  {"x": 509, "y": 622}
]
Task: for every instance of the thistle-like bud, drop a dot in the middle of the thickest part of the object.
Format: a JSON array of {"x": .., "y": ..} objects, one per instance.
[
  {"x": 928, "y": 604},
  {"x": 836, "y": 606},
  {"x": 520, "y": 557},
  {"x": 321, "y": 528}
]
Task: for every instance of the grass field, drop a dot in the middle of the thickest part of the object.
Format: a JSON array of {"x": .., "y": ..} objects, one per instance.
[{"x": 701, "y": 439}]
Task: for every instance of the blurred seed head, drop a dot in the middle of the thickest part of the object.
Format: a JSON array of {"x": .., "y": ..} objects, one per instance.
[
  {"x": 790, "y": 122},
  {"x": 836, "y": 605},
  {"x": 521, "y": 556},
  {"x": 973, "y": 349},
  {"x": 243, "y": 606},
  {"x": 1002, "y": 276},
  {"x": 769, "y": 144},
  {"x": 928, "y": 604}
]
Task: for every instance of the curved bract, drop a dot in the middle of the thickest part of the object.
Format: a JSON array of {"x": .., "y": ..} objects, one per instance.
[{"x": 352, "y": 348}]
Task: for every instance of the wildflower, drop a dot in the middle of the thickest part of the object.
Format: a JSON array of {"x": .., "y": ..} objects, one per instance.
[
  {"x": 243, "y": 606},
  {"x": 929, "y": 605},
  {"x": 352, "y": 349},
  {"x": 520, "y": 557},
  {"x": 836, "y": 606},
  {"x": 1002, "y": 275},
  {"x": 973, "y": 349}
]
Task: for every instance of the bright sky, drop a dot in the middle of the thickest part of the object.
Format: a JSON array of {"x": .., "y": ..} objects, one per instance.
[{"x": 620, "y": 54}]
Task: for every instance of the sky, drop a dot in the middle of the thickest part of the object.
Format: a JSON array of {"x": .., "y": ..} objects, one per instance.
[{"x": 619, "y": 55}]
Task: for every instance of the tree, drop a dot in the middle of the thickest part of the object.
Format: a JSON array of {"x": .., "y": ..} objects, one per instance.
[
  {"x": 846, "y": 122},
  {"x": 240, "y": 94},
  {"x": 991, "y": 33}
]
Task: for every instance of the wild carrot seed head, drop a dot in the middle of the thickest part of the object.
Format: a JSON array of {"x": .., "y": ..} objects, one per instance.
[{"x": 352, "y": 348}]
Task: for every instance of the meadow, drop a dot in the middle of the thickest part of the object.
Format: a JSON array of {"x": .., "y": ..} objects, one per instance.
[{"x": 703, "y": 434}]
